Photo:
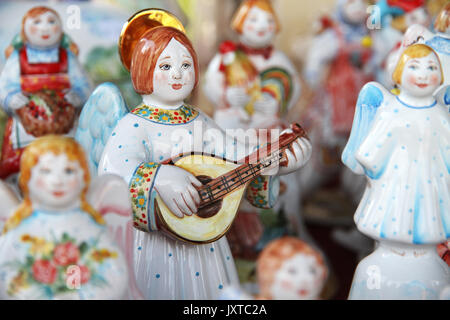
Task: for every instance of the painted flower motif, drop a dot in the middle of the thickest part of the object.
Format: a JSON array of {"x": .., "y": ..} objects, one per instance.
[
  {"x": 143, "y": 112},
  {"x": 260, "y": 200},
  {"x": 164, "y": 117},
  {"x": 44, "y": 271},
  {"x": 41, "y": 247},
  {"x": 150, "y": 165},
  {"x": 186, "y": 111},
  {"x": 66, "y": 254},
  {"x": 182, "y": 115},
  {"x": 257, "y": 183},
  {"x": 102, "y": 254},
  {"x": 85, "y": 274},
  {"x": 141, "y": 202}
]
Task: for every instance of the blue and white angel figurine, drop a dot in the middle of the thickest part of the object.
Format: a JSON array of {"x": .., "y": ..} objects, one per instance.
[
  {"x": 179, "y": 249},
  {"x": 402, "y": 145}
]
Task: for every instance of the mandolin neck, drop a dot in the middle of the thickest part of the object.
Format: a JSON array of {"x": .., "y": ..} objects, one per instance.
[{"x": 253, "y": 165}]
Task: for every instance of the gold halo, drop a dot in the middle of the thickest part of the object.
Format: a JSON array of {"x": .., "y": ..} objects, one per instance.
[{"x": 140, "y": 23}]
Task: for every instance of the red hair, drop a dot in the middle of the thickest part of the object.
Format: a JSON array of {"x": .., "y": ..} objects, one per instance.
[{"x": 146, "y": 54}]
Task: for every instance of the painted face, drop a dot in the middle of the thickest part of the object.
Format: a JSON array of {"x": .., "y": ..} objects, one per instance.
[
  {"x": 299, "y": 278},
  {"x": 44, "y": 30},
  {"x": 421, "y": 76},
  {"x": 259, "y": 28},
  {"x": 174, "y": 75},
  {"x": 418, "y": 16},
  {"x": 55, "y": 182},
  {"x": 355, "y": 11}
]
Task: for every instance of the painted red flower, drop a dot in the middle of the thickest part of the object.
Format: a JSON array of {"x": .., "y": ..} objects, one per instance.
[
  {"x": 44, "y": 271},
  {"x": 85, "y": 274},
  {"x": 66, "y": 254}
]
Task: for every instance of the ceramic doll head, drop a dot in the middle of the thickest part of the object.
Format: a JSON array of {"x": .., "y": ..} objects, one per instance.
[
  {"x": 256, "y": 23},
  {"x": 442, "y": 23},
  {"x": 290, "y": 269},
  {"x": 54, "y": 176},
  {"x": 418, "y": 71},
  {"x": 42, "y": 27},
  {"x": 353, "y": 11},
  {"x": 164, "y": 64}
]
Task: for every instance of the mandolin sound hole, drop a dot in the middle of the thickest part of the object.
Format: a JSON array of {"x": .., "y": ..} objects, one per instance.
[{"x": 211, "y": 209}]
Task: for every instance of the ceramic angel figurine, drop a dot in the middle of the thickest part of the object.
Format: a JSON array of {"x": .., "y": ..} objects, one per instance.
[
  {"x": 41, "y": 86},
  {"x": 65, "y": 239},
  {"x": 401, "y": 145},
  {"x": 287, "y": 269},
  {"x": 439, "y": 41},
  {"x": 179, "y": 249},
  {"x": 254, "y": 86}
]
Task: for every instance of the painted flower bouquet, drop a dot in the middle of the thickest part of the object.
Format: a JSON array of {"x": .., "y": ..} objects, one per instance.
[
  {"x": 47, "y": 112},
  {"x": 58, "y": 267}
]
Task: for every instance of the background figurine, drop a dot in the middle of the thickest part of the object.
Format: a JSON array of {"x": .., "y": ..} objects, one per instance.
[
  {"x": 290, "y": 269},
  {"x": 141, "y": 147},
  {"x": 41, "y": 86},
  {"x": 66, "y": 238},
  {"x": 254, "y": 86},
  {"x": 401, "y": 144},
  {"x": 287, "y": 269},
  {"x": 329, "y": 117}
]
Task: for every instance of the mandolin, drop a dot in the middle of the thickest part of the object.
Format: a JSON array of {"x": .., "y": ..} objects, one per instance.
[{"x": 224, "y": 183}]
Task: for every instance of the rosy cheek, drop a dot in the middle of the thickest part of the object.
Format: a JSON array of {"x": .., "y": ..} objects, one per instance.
[
  {"x": 250, "y": 28},
  {"x": 73, "y": 183},
  {"x": 40, "y": 183},
  {"x": 56, "y": 29},
  {"x": 161, "y": 77},
  {"x": 286, "y": 285},
  {"x": 271, "y": 28},
  {"x": 411, "y": 79},
  {"x": 434, "y": 79},
  {"x": 33, "y": 30}
]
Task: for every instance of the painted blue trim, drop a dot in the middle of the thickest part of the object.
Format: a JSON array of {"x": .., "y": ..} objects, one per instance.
[{"x": 413, "y": 107}]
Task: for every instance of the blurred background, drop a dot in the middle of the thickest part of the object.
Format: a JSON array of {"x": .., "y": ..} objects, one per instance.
[{"x": 95, "y": 25}]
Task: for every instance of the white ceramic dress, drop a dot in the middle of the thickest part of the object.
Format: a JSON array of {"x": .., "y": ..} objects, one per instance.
[{"x": 142, "y": 139}]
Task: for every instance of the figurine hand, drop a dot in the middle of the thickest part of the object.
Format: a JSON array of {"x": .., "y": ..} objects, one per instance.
[
  {"x": 237, "y": 97},
  {"x": 297, "y": 156},
  {"x": 175, "y": 186},
  {"x": 267, "y": 106},
  {"x": 73, "y": 98},
  {"x": 18, "y": 101}
]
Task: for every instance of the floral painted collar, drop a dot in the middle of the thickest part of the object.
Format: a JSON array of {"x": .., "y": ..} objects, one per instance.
[{"x": 182, "y": 115}]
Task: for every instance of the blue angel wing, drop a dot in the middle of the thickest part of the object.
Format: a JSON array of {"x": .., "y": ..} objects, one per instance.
[
  {"x": 101, "y": 113},
  {"x": 369, "y": 99}
]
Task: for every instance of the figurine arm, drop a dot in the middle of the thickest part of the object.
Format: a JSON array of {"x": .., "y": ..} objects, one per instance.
[
  {"x": 127, "y": 154},
  {"x": 11, "y": 97},
  {"x": 79, "y": 81},
  {"x": 213, "y": 85},
  {"x": 323, "y": 49}
]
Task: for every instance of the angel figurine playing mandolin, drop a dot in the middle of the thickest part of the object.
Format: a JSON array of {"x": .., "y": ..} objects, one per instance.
[
  {"x": 41, "y": 86},
  {"x": 182, "y": 205},
  {"x": 66, "y": 238},
  {"x": 402, "y": 145}
]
